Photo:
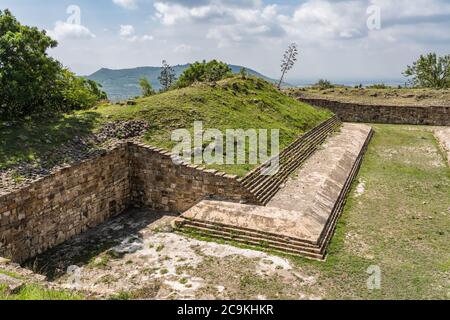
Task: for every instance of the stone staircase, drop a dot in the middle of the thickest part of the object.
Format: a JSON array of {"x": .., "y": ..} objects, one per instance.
[
  {"x": 307, "y": 228},
  {"x": 265, "y": 186}
]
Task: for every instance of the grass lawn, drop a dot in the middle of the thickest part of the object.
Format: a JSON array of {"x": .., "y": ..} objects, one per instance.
[
  {"x": 401, "y": 222},
  {"x": 35, "y": 292},
  {"x": 234, "y": 103}
]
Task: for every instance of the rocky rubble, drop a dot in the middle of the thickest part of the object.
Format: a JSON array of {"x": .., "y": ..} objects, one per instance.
[{"x": 75, "y": 150}]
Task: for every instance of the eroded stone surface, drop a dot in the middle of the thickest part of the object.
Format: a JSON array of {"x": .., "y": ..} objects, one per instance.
[
  {"x": 303, "y": 207},
  {"x": 163, "y": 265},
  {"x": 443, "y": 136}
]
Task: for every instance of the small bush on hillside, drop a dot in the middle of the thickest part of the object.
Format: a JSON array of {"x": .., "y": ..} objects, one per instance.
[
  {"x": 323, "y": 84},
  {"x": 146, "y": 87},
  {"x": 204, "y": 72},
  {"x": 378, "y": 86}
]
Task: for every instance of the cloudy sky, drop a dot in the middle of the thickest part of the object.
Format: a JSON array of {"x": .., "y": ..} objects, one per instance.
[{"x": 340, "y": 39}]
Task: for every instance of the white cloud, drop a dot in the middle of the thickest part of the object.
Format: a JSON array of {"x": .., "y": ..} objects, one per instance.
[
  {"x": 126, "y": 30},
  {"x": 183, "y": 48},
  {"x": 64, "y": 30},
  {"x": 333, "y": 35},
  {"x": 127, "y": 4}
]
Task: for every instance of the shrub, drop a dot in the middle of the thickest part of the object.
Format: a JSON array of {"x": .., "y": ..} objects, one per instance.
[
  {"x": 323, "y": 84},
  {"x": 204, "y": 72},
  {"x": 378, "y": 86},
  {"x": 146, "y": 87}
]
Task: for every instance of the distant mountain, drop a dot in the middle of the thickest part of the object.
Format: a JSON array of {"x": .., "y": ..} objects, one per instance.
[{"x": 124, "y": 83}]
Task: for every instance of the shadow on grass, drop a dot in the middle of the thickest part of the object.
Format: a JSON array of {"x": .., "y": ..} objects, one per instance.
[{"x": 32, "y": 138}]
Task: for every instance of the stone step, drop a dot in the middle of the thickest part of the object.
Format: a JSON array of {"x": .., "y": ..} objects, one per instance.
[
  {"x": 266, "y": 186},
  {"x": 255, "y": 242},
  {"x": 331, "y": 123},
  {"x": 249, "y": 233},
  {"x": 299, "y": 219},
  {"x": 337, "y": 211}
]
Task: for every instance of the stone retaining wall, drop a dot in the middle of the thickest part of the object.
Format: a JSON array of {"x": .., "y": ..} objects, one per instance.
[
  {"x": 57, "y": 207},
  {"x": 264, "y": 187},
  {"x": 62, "y": 205},
  {"x": 352, "y": 112},
  {"x": 159, "y": 184}
]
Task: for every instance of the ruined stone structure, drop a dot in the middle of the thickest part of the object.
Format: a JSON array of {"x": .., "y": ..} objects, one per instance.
[
  {"x": 57, "y": 207},
  {"x": 352, "y": 112},
  {"x": 60, "y": 206},
  {"x": 301, "y": 218}
]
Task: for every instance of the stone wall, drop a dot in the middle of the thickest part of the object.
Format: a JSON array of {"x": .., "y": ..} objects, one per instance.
[
  {"x": 64, "y": 204},
  {"x": 57, "y": 207},
  {"x": 264, "y": 187},
  {"x": 351, "y": 112},
  {"x": 159, "y": 184}
]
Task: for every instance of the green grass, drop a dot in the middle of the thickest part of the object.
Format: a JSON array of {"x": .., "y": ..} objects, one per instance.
[
  {"x": 32, "y": 138},
  {"x": 400, "y": 223},
  {"x": 10, "y": 274},
  {"x": 230, "y": 104},
  {"x": 35, "y": 292}
]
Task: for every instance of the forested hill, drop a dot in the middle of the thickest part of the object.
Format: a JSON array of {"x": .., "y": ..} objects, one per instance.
[{"x": 122, "y": 84}]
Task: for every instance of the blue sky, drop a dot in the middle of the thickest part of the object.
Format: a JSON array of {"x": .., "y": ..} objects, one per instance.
[{"x": 337, "y": 39}]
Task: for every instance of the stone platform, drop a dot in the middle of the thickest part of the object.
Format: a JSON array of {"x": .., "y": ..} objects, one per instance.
[{"x": 301, "y": 218}]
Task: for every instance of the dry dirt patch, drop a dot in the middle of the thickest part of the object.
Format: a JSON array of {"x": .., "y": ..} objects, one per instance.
[{"x": 137, "y": 256}]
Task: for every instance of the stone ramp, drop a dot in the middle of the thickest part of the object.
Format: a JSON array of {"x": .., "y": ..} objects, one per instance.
[
  {"x": 301, "y": 218},
  {"x": 443, "y": 136}
]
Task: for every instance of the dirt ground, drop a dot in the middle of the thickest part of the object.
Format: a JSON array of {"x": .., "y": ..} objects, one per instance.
[{"x": 137, "y": 256}]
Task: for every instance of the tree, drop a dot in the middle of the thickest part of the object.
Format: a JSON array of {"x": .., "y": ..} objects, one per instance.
[
  {"x": 31, "y": 82},
  {"x": 146, "y": 87},
  {"x": 167, "y": 77},
  {"x": 211, "y": 71},
  {"x": 324, "y": 84},
  {"x": 288, "y": 61},
  {"x": 243, "y": 73},
  {"x": 430, "y": 71}
]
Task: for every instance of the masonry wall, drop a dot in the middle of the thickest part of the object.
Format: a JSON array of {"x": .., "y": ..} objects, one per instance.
[
  {"x": 264, "y": 186},
  {"x": 62, "y": 205},
  {"x": 351, "y": 112},
  {"x": 159, "y": 184}
]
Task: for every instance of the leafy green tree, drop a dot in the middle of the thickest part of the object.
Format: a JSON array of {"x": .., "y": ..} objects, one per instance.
[
  {"x": 31, "y": 82},
  {"x": 76, "y": 92},
  {"x": 146, "y": 87},
  {"x": 211, "y": 71},
  {"x": 167, "y": 77},
  {"x": 324, "y": 84},
  {"x": 430, "y": 71}
]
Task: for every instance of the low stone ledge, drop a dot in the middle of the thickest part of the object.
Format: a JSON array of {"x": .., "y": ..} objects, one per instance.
[{"x": 354, "y": 112}]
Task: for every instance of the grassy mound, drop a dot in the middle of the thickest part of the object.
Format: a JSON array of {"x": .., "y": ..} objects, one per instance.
[{"x": 234, "y": 103}]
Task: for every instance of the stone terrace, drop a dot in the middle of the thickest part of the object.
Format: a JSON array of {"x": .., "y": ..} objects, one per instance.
[{"x": 301, "y": 217}]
